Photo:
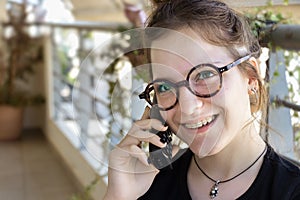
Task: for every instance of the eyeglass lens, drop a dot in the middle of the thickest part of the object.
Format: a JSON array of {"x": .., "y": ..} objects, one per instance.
[{"x": 204, "y": 81}]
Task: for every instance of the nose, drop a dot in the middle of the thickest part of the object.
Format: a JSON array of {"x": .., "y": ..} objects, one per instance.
[{"x": 188, "y": 102}]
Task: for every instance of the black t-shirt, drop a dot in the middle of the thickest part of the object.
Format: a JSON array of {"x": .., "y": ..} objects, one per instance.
[{"x": 277, "y": 179}]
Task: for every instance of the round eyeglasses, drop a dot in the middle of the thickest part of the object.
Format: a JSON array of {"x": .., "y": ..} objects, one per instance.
[{"x": 204, "y": 80}]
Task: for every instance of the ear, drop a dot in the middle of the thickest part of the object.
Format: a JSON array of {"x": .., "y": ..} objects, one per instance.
[
  {"x": 254, "y": 63},
  {"x": 252, "y": 85},
  {"x": 253, "y": 82}
]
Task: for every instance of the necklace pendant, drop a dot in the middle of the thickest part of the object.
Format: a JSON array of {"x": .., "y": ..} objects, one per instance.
[{"x": 214, "y": 190}]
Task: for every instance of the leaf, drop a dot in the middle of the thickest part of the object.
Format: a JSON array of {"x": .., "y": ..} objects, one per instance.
[
  {"x": 270, "y": 3},
  {"x": 286, "y": 2},
  {"x": 274, "y": 18},
  {"x": 276, "y": 74}
]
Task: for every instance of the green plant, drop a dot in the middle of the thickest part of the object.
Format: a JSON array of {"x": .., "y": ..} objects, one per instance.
[
  {"x": 259, "y": 20},
  {"x": 262, "y": 17},
  {"x": 19, "y": 54}
]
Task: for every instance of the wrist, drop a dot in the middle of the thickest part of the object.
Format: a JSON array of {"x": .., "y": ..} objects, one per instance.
[
  {"x": 108, "y": 197},
  {"x": 113, "y": 197}
]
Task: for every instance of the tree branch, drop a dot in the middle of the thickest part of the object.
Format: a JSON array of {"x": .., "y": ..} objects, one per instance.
[{"x": 287, "y": 104}]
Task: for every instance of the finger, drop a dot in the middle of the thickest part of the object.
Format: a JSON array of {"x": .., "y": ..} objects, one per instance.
[
  {"x": 130, "y": 151},
  {"x": 139, "y": 154},
  {"x": 144, "y": 120},
  {"x": 148, "y": 124},
  {"x": 129, "y": 159},
  {"x": 141, "y": 136}
]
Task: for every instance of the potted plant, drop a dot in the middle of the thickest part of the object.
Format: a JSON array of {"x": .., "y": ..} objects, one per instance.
[{"x": 19, "y": 54}]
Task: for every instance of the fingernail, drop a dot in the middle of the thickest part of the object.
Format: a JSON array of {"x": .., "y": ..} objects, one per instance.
[{"x": 163, "y": 140}]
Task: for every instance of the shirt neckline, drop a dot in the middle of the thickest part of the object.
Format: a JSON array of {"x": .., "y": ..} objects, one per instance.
[{"x": 256, "y": 183}]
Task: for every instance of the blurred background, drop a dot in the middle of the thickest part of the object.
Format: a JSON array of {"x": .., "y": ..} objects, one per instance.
[{"x": 68, "y": 88}]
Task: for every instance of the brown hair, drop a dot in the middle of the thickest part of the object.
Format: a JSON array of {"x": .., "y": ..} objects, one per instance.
[{"x": 217, "y": 24}]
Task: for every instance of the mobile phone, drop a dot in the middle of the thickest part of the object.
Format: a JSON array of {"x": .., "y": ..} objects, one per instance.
[{"x": 160, "y": 157}]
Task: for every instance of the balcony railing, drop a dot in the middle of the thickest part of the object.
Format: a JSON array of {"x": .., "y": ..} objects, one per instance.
[{"x": 95, "y": 90}]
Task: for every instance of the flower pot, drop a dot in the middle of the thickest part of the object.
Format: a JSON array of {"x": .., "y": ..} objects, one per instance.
[{"x": 11, "y": 122}]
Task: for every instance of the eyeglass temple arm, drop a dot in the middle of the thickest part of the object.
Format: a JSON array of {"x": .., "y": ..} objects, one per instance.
[
  {"x": 143, "y": 95},
  {"x": 235, "y": 63}
]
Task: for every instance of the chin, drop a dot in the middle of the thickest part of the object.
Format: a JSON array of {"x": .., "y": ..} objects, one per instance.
[{"x": 203, "y": 148}]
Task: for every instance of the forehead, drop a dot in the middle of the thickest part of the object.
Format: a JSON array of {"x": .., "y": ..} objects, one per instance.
[{"x": 175, "y": 54}]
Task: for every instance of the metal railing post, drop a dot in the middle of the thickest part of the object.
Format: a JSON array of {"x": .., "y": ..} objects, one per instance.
[{"x": 280, "y": 131}]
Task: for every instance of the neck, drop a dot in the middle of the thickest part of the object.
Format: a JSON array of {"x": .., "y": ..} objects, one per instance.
[{"x": 235, "y": 157}]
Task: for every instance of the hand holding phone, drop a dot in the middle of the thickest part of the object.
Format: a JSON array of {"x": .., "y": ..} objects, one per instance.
[
  {"x": 128, "y": 159},
  {"x": 160, "y": 157}
]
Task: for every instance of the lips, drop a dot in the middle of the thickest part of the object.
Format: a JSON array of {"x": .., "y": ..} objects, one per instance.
[{"x": 200, "y": 124}]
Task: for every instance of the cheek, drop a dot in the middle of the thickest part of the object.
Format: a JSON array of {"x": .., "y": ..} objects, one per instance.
[
  {"x": 235, "y": 105},
  {"x": 235, "y": 88},
  {"x": 172, "y": 118}
]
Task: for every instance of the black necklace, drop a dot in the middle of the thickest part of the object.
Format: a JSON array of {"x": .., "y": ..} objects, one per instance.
[{"x": 215, "y": 189}]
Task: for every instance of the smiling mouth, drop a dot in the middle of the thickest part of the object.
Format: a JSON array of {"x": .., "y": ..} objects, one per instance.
[{"x": 202, "y": 123}]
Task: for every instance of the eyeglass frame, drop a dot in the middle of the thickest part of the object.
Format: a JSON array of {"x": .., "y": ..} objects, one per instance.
[{"x": 146, "y": 93}]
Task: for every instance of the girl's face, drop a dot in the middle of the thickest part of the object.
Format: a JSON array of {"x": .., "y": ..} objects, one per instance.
[{"x": 207, "y": 125}]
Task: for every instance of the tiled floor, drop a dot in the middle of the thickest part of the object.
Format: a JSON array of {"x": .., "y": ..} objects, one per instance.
[{"x": 30, "y": 170}]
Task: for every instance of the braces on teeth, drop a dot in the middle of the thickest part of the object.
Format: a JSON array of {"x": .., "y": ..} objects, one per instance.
[{"x": 201, "y": 123}]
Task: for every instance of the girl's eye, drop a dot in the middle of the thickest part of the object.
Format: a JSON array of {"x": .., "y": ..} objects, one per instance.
[
  {"x": 163, "y": 87},
  {"x": 204, "y": 75}
]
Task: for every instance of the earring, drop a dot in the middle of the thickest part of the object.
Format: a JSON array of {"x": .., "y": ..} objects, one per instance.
[{"x": 253, "y": 97}]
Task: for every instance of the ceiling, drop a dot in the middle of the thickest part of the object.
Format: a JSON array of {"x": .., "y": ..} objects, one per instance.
[
  {"x": 98, "y": 10},
  {"x": 112, "y": 10}
]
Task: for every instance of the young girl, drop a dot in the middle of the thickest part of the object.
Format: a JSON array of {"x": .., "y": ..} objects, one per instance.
[{"x": 208, "y": 101}]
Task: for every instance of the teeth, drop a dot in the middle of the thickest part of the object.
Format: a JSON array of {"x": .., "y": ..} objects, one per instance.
[{"x": 201, "y": 123}]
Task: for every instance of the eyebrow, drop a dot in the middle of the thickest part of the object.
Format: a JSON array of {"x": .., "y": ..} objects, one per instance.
[
  {"x": 211, "y": 62},
  {"x": 217, "y": 62}
]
